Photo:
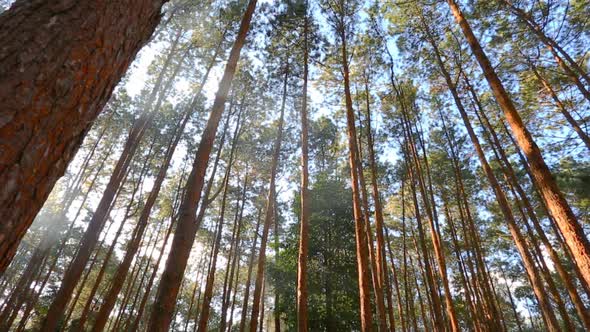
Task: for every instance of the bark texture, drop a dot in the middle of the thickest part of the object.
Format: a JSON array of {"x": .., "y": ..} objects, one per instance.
[{"x": 59, "y": 63}]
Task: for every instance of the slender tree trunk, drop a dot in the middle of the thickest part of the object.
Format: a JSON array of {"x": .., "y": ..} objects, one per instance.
[
  {"x": 502, "y": 201},
  {"x": 428, "y": 275},
  {"x": 553, "y": 46},
  {"x": 121, "y": 273},
  {"x": 377, "y": 282},
  {"x": 381, "y": 263},
  {"x": 235, "y": 291},
  {"x": 360, "y": 233},
  {"x": 302, "y": 319},
  {"x": 233, "y": 256},
  {"x": 138, "y": 316},
  {"x": 568, "y": 253},
  {"x": 60, "y": 63},
  {"x": 248, "y": 278},
  {"x": 423, "y": 314},
  {"x": 512, "y": 178},
  {"x": 11, "y": 304},
  {"x": 481, "y": 282},
  {"x": 474, "y": 321},
  {"x": 276, "y": 313},
  {"x": 560, "y": 210},
  {"x": 269, "y": 212},
  {"x": 173, "y": 217},
  {"x": 185, "y": 233},
  {"x": 261, "y": 325},
  {"x": 132, "y": 248},
  {"x": 206, "y": 306},
  {"x": 436, "y": 242},
  {"x": 90, "y": 238},
  {"x": 409, "y": 297},
  {"x": 560, "y": 106},
  {"x": 512, "y": 304},
  {"x": 197, "y": 284},
  {"x": 397, "y": 290},
  {"x": 86, "y": 310}
]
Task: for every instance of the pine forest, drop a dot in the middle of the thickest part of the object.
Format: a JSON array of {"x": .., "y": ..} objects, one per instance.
[{"x": 295, "y": 165}]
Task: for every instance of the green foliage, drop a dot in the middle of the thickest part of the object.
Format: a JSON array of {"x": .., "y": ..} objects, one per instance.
[{"x": 333, "y": 287}]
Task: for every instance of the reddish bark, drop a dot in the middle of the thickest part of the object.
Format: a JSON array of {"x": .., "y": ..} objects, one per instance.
[
  {"x": 362, "y": 254},
  {"x": 269, "y": 213},
  {"x": 208, "y": 294},
  {"x": 233, "y": 256},
  {"x": 567, "y": 222},
  {"x": 90, "y": 237},
  {"x": 513, "y": 180},
  {"x": 186, "y": 229},
  {"x": 381, "y": 263},
  {"x": 59, "y": 63},
  {"x": 249, "y": 275}
]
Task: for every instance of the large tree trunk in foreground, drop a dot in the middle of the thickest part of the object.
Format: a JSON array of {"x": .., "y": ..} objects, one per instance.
[
  {"x": 558, "y": 207},
  {"x": 186, "y": 229},
  {"x": 59, "y": 63}
]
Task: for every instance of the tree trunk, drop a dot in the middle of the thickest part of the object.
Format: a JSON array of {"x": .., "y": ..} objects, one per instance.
[
  {"x": 81, "y": 321},
  {"x": 233, "y": 255},
  {"x": 482, "y": 281},
  {"x": 512, "y": 304},
  {"x": 474, "y": 321},
  {"x": 60, "y": 63},
  {"x": 207, "y": 296},
  {"x": 305, "y": 209},
  {"x": 376, "y": 280},
  {"x": 381, "y": 263},
  {"x": 517, "y": 236},
  {"x": 248, "y": 278},
  {"x": 428, "y": 275},
  {"x": 138, "y": 316},
  {"x": 121, "y": 273},
  {"x": 196, "y": 286},
  {"x": 186, "y": 230},
  {"x": 90, "y": 238},
  {"x": 362, "y": 254},
  {"x": 235, "y": 290},
  {"x": 512, "y": 178},
  {"x": 276, "y": 313},
  {"x": 560, "y": 210},
  {"x": 435, "y": 236},
  {"x": 560, "y": 106},
  {"x": 269, "y": 213}
]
